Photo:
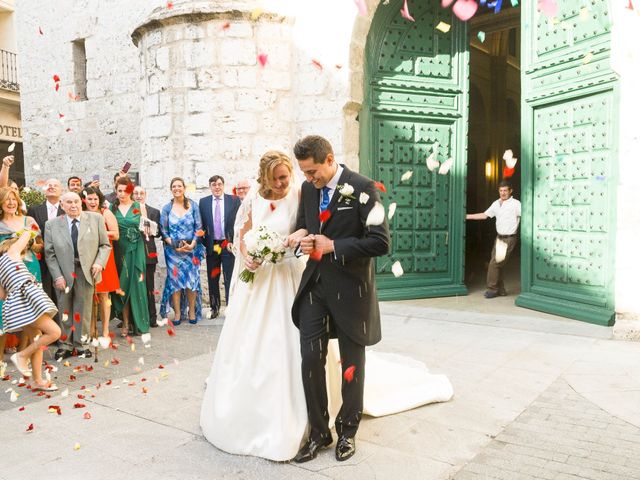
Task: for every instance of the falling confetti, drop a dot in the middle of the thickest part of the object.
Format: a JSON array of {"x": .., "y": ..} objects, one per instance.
[
  {"x": 406, "y": 176},
  {"x": 362, "y": 7},
  {"x": 226, "y": 25},
  {"x": 397, "y": 270},
  {"x": 215, "y": 272},
  {"x": 445, "y": 166},
  {"x": 11, "y": 148},
  {"x": 348, "y": 373},
  {"x": 364, "y": 198},
  {"x": 376, "y": 215},
  {"x": 465, "y": 9},
  {"x": 392, "y": 210},
  {"x": 432, "y": 163},
  {"x": 548, "y": 7},
  {"x": 76, "y": 447},
  {"x": 443, "y": 27},
  {"x": 380, "y": 186},
  {"x": 404, "y": 11},
  {"x": 587, "y": 58},
  {"x": 169, "y": 5},
  {"x": 30, "y": 427},
  {"x": 87, "y": 416},
  {"x": 481, "y": 36},
  {"x": 508, "y": 172}
]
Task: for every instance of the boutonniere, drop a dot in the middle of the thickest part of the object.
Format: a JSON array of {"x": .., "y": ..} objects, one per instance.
[{"x": 346, "y": 193}]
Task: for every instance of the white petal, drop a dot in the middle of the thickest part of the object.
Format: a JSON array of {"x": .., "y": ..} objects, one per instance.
[
  {"x": 376, "y": 215},
  {"x": 145, "y": 337},
  {"x": 446, "y": 166},
  {"x": 37, "y": 167},
  {"x": 141, "y": 360},
  {"x": 392, "y": 210},
  {"x": 65, "y": 317},
  {"x": 163, "y": 322},
  {"x": 64, "y": 393},
  {"x": 104, "y": 342},
  {"x": 512, "y": 162},
  {"x": 364, "y": 198},
  {"x": 14, "y": 396},
  {"x": 11, "y": 148},
  {"x": 432, "y": 163},
  {"x": 95, "y": 342},
  {"x": 406, "y": 176},
  {"x": 397, "y": 270},
  {"x": 501, "y": 250},
  {"x": 508, "y": 155}
]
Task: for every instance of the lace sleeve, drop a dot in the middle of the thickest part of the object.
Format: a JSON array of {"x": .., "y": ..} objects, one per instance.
[{"x": 242, "y": 217}]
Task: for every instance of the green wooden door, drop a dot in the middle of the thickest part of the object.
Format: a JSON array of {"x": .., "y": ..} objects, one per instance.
[
  {"x": 569, "y": 152},
  {"x": 416, "y": 91}
]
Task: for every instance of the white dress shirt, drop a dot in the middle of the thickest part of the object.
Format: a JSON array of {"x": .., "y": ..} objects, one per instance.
[
  {"x": 507, "y": 215},
  {"x": 333, "y": 183},
  {"x": 52, "y": 210}
]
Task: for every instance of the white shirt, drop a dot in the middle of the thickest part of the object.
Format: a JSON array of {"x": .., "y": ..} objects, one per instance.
[
  {"x": 52, "y": 210},
  {"x": 213, "y": 213},
  {"x": 507, "y": 215},
  {"x": 333, "y": 183},
  {"x": 70, "y": 222}
]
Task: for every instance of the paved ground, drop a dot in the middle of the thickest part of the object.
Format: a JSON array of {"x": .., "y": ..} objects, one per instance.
[{"x": 536, "y": 397}]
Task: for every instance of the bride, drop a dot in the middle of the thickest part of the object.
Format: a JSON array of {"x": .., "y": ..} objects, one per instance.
[{"x": 254, "y": 401}]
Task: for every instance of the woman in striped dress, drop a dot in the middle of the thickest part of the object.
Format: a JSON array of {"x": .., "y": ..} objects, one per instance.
[{"x": 27, "y": 307}]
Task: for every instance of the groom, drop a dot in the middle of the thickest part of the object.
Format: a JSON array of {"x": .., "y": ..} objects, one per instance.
[{"x": 337, "y": 293}]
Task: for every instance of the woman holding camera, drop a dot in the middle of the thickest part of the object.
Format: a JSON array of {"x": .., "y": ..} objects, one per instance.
[
  {"x": 131, "y": 302},
  {"x": 180, "y": 226}
]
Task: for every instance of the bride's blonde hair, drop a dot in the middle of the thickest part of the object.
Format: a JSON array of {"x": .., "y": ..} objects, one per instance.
[{"x": 268, "y": 164}]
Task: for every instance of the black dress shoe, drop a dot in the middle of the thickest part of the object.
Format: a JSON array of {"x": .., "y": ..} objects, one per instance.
[
  {"x": 214, "y": 313},
  {"x": 345, "y": 448},
  {"x": 85, "y": 353},
  {"x": 61, "y": 353},
  {"x": 310, "y": 449}
]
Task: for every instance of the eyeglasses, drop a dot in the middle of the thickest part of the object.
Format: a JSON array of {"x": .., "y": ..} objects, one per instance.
[{"x": 242, "y": 188}]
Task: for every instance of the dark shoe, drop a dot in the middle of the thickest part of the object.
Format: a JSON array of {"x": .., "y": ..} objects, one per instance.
[
  {"x": 85, "y": 353},
  {"x": 193, "y": 322},
  {"x": 310, "y": 449},
  {"x": 62, "y": 353},
  {"x": 153, "y": 324},
  {"x": 214, "y": 313},
  {"x": 177, "y": 322},
  {"x": 490, "y": 294},
  {"x": 345, "y": 448}
]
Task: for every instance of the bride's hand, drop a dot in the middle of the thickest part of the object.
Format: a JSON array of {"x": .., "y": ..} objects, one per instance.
[
  {"x": 251, "y": 264},
  {"x": 294, "y": 239}
]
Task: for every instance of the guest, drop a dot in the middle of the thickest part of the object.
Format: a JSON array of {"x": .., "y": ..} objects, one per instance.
[
  {"x": 13, "y": 221},
  {"x": 218, "y": 212},
  {"x": 130, "y": 259},
  {"x": 242, "y": 188},
  {"x": 180, "y": 225},
  {"x": 42, "y": 213},
  {"x": 27, "y": 307},
  {"x": 111, "y": 197},
  {"x": 140, "y": 196},
  {"x": 93, "y": 201},
  {"x": 76, "y": 270},
  {"x": 74, "y": 184},
  {"x": 4, "y": 170}
]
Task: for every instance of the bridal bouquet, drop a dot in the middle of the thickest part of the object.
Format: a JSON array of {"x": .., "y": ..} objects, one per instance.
[{"x": 262, "y": 245}]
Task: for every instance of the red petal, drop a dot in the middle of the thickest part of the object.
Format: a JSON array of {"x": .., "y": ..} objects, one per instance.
[
  {"x": 108, "y": 382},
  {"x": 129, "y": 340},
  {"x": 380, "y": 186},
  {"x": 171, "y": 332},
  {"x": 30, "y": 427},
  {"x": 316, "y": 63},
  {"x": 73, "y": 274},
  {"x": 136, "y": 211},
  {"x": 76, "y": 317},
  {"x": 224, "y": 27},
  {"x": 215, "y": 272},
  {"x": 87, "y": 416},
  {"x": 73, "y": 328},
  {"x": 272, "y": 206},
  {"x": 80, "y": 396},
  {"x": 169, "y": 5},
  {"x": 39, "y": 256},
  {"x": 56, "y": 78},
  {"x": 196, "y": 261},
  {"x": 115, "y": 361},
  {"x": 324, "y": 215},
  {"x": 68, "y": 130},
  {"x": 57, "y": 87},
  {"x": 199, "y": 233},
  {"x": 338, "y": 66},
  {"x": 79, "y": 405},
  {"x": 72, "y": 378},
  {"x": 63, "y": 337},
  {"x": 152, "y": 255},
  {"x": 262, "y": 59},
  {"x": 348, "y": 373},
  {"x": 224, "y": 244},
  {"x": 35, "y": 227},
  {"x": 316, "y": 255},
  {"x": 508, "y": 172},
  {"x": 160, "y": 366},
  {"x": 234, "y": 191},
  {"x": 21, "y": 409}
]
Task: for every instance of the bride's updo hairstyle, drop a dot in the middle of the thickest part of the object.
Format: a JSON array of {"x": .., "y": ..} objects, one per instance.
[{"x": 268, "y": 164}]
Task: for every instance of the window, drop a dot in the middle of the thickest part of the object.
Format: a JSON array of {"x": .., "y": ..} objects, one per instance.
[{"x": 80, "y": 69}]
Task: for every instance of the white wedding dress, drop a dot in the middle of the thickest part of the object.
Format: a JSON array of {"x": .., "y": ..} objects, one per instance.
[{"x": 254, "y": 401}]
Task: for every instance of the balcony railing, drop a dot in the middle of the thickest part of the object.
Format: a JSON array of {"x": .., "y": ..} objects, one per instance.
[{"x": 9, "y": 71}]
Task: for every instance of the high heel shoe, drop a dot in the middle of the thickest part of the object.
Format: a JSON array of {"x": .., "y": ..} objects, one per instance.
[{"x": 26, "y": 373}]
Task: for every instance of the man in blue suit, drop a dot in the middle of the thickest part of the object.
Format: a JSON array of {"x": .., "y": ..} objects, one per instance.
[{"x": 218, "y": 212}]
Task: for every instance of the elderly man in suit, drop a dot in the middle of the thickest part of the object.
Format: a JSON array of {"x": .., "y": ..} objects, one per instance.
[
  {"x": 76, "y": 249},
  {"x": 337, "y": 292},
  {"x": 218, "y": 212},
  {"x": 42, "y": 213},
  {"x": 153, "y": 214}
]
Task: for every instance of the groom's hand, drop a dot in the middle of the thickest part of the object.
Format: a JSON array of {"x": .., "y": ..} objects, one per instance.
[{"x": 312, "y": 243}]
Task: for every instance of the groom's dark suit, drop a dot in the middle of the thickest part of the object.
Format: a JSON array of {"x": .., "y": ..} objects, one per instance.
[{"x": 337, "y": 297}]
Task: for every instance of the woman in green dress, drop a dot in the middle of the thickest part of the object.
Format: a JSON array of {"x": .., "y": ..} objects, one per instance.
[{"x": 131, "y": 302}]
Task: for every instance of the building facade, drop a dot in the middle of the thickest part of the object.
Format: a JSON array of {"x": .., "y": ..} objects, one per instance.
[{"x": 195, "y": 88}]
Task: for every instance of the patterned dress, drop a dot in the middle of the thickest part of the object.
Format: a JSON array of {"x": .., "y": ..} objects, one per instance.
[
  {"x": 131, "y": 261},
  {"x": 183, "y": 269},
  {"x": 26, "y": 301}
]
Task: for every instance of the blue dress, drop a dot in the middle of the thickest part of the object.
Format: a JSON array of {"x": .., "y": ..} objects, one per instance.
[{"x": 183, "y": 268}]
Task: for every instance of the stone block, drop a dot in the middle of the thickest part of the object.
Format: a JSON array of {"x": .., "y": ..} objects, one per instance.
[
  {"x": 183, "y": 79},
  {"x": 200, "y": 147},
  {"x": 254, "y": 100},
  {"x": 162, "y": 58},
  {"x": 243, "y": 77},
  {"x": 263, "y": 143},
  {"x": 270, "y": 32},
  {"x": 310, "y": 83},
  {"x": 238, "y": 123},
  {"x": 270, "y": 122},
  {"x": 160, "y": 126},
  {"x": 235, "y": 51},
  {"x": 197, "y": 124},
  {"x": 235, "y": 30},
  {"x": 152, "y": 38},
  {"x": 276, "y": 79},
  {"x": 194, "y": 31},
  {"x": 170, "y": 102},
  {"x": 203, "y": 54},
  {"x": 209, "y": 78}
]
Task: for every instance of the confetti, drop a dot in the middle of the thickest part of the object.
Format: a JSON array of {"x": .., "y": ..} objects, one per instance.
[
  {"x": 64, "y": 393},
  {"x": 508, "y": 172},
  {"x": 54, "y": 409},
  {"x": 76, "y": 317},
  {"x": 514, "y": 3},
  {"x": 199, "y": 233},
  {"x": 380, "y": 186},
  {"x": 481, "y": 36},
  {"x": 324, "y": 215},
  {"x": 21, "y": 409},
  {"x": 392, "y": 210},
  {"x": 163, "y": 322},
  {"x": 587, "y": 58},
  {"x": 364, "y": 198},
  {"x": 146, "y": 337},
  {"x": 87, "y": 416},
  {"x": 406, "y": 176},
  {"x": 376, "y": 215},
  {"x": 443, "y": 27},
  {"x": 548, "y": 7},
  {"x": 56, "y": 78},
  {"x": 30, "y": 427},
  {"x": 362, "y": 7},
  {"x": 152, "y": 255},
  {"x": 217, "y": 249},
  {"x": 509, "y": 159},
  {"x": 465, "y": 9},
  {"x": 397, "y": 270},
  {"x": 14, "y": 396},
  {"x": 316, "y": 63},
  {"x": 215, "y": 272},
  {"x": 224, "y": 244},
  {"x": 432, "y": 163},
  {"x": 226, "y": 25},
  {"x": 11, "y": 148},
  {"x": 171, "y": 332},
  {"x": 348, "y": 373},
  {"x": 445, "y": 166},
  {"x": 174, "y": 272},
  {"x": 76, "y": 446},
  {"x": 262, "y": 59},
  {"x": 404, "y": 11},
  {"x": 169, "y": 5},
  {"x": 272, "y": 206}
]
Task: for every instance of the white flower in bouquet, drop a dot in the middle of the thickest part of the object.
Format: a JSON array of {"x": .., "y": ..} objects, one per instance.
[{"x": 262, "y": 245}]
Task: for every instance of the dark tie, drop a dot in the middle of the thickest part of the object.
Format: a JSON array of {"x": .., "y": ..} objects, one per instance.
[
  {"x": 325, "y": 199},
  {"x": 74, "y": 237}
]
